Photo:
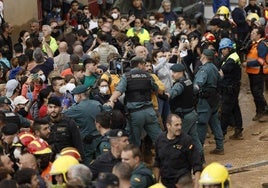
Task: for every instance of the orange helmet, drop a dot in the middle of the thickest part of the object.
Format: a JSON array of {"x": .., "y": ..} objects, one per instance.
[
  {"x": 38, "y": 146},
  {"x": 71, "y": 151},
  {"x": 25, "y": 138},
  {"x": 209, "y": 37}
]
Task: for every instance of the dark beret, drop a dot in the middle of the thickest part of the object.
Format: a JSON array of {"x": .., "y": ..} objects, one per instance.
[
  {"x": 117, "y": 133},
  {"x": 79, "y": 89},
  {"x": 177, "y": 67},
  {"x": 54, "y": 100}
]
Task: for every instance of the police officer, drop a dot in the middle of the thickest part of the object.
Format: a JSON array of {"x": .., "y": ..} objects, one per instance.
[
  {"x": 175, "y": 155},
  {"x": 7, "y": 116},
  {"x": 229, "y": 88},
  {"x": 137, "y": 86},
  {"x": 141, "y": 177},
  {"x": 64, "y": 132},
  {"x": 118, "y": 139},
  {"x": 103, "y": 124},
  {"x": 181, "y": 100},
  {"x": 256, "y": 68},
  {"x": 205, "y": 83},
  {"x": 84, "y": 113}
]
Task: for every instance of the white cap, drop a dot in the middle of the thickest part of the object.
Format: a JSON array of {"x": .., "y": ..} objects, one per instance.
[{"x": 20, "y": 100}]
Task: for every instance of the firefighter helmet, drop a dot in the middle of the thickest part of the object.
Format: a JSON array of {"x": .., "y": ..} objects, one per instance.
[
  {"x": 38, "y": 147},
  {"x": 25, "y": 138},
  {"x": 215, "y": 174},
  {"x": 62, "y": 164},
  {"x": 223, "y": 10},
  {"x": 71, "y": 151},
  {"x": 208, "y": 36}
]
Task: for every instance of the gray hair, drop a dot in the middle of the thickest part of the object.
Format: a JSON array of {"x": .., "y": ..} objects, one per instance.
[
  {"x": 38, "y": 55},
  {"x": 82, "y": 173},
  {"x": 49, "y": 29},
  {"x": 165, "y": 1}
]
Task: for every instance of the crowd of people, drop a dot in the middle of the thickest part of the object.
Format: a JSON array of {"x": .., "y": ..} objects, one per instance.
[{"x": 91, "y": 101}]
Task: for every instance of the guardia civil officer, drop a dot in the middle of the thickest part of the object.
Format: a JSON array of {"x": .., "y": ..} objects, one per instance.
[
  {"x": 176, "y": 157},
  {"x": 141, "y": 176},
  {"x": 205, "y": 83},
  {"x": 181, "y": 100},
  {"x": 64, "y": 132},
  {"x": 103, "y": 125},
  {"x": 137, "y": 86},
  {"x": 230, "y": 88},
  {"x": 84, "y": 113},
  {"x": 105, "y": 162}
]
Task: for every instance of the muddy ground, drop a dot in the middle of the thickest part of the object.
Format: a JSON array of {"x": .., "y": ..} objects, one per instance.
[{"x": 251, "y": 152}]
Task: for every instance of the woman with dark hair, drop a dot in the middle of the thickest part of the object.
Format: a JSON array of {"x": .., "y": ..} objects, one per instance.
[
  {"x": 104, "y": 93},
  {"x": 24, "y": 35},
  {"x": 39, "y": 108}
]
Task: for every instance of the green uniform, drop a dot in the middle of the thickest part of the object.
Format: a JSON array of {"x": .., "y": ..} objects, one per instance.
[
  {"x": 84, "y": 114},
  {"x": 142, "y": 177},
  {"x": 206, "y": 80},
  {"x": 138, "y": 85},
  {"x": 103, "y": 146}
]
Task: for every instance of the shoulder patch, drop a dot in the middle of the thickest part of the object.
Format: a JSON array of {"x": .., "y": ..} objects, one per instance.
[{"x": 187, "y": 82}]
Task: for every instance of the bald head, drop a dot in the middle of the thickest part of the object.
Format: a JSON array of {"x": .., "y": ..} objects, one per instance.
[
  {"x": 78, "y": 50},
  {"x": 141, "y": 51},
  {"x": 63, "y": 46}
]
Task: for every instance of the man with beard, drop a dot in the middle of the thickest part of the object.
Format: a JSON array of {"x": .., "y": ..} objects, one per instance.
[
  {"x": 157, "y": 44},
  {"x": 41, "y": 128},
  {"x": 64, "y": 132}
]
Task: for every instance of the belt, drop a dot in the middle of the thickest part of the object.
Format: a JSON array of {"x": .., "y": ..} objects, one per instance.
[{"x": 139, "y": 109}]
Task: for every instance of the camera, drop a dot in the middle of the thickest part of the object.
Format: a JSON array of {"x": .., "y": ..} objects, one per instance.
[
  {"x": 119, "y": 66},
  {"x": 129, "y": 42}
]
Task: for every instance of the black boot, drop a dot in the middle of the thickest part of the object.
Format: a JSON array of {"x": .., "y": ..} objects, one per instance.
[{"x": 237, "y": 135}]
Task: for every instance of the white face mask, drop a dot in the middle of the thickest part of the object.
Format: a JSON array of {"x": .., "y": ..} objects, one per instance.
[
  {"x": 222, "y": 18},
  {"x": 162, "y": 60},
  {"x": 152, "y": 22},
  {"x": 114, "y": 15},
  {"x": 104, "y": 90},
  {"x": 43, "y": 77},
  {"x": 62, "y": 89}
]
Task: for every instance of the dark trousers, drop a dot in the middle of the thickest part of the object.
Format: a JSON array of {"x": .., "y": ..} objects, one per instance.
[
  {"x": 256, "y": 82},
  {"x": 230, "y": 109}
]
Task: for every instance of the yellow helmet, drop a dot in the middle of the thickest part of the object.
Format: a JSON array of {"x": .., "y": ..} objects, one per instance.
[
  {"x": 215, "y": 174},
  {"x": 253, "y": 16},
  {"x": 223, "y": 10},
  {"x": 62, "y": 164}
]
